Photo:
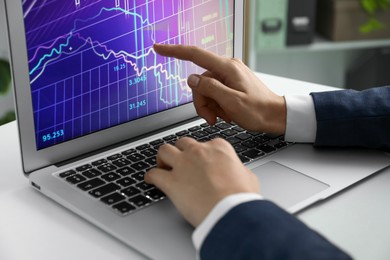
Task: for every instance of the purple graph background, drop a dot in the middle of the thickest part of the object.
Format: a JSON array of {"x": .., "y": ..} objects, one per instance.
[{"x": 92, "y": 65}]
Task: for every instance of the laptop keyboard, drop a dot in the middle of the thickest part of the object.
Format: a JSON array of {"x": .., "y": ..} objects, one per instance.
[{"x": 118, "y": 180}]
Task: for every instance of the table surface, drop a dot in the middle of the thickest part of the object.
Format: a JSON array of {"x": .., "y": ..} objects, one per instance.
[{"x": 34, "y": 227}]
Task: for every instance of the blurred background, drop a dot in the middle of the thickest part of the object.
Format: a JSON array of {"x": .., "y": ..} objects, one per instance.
[
  {"x": 7, "y": 113},
  {"x": 341, "y": 43}
]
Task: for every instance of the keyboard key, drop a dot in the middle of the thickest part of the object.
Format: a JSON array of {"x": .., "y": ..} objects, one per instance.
[
  {"x": 99, "y": 162},
  {"x": 261, "y": 139},
  {"x": 67, "y": 173},
  {"x": 122, "y": 162},
  {"x": 142, "y": 147},
  {"x": 272, "y": 136},
  {"x": 107, "y": 167},
  {"x": 212, "y": 130},
  {"x": 170, "y": 138},
  {"x": 144, "y": 186},
  {"x": 240, "y": 148},
  {"x": 126, "y": 182},
  {"x": 139, "y": 176},
  {"x": 204, "y": 125},
  {"x": 280, "y": 145},
  {"x": 249, "y": 144},
  {"x": 128, "y": 152},
  {"x": 253, "y": 133},
  {"x": 74, "y": 179},
  {"x": 266, "y": 148},
  {"x": 155, "y": 194},
  {"x": 156, "y": 142},
  {"x": 182, "y": 133},
  {"x": 156, "y": 147},
  {"x": 91, "y": 184},
  {"x": 253, "y": 153},
  {"x": 194, "y": 129},
  {"x": 233, "y": 140},
  {"x": 139, "y": 166},
  {"x": 229, "y": 132},
  {"x": 140, "y": 201},
  {"x": 243, "y": 158},
  {"x": 114, "y": 157},
  {"x": 274, "y": 142},
  {"x": 113, "y": 198},
  {"x": 92, "y": 173},
  {"x": 124, "y": 207},
  {"x": 125, "y": 171},
  {"x": 200, "y": 134},
  {"x": 130, "y": 191},
  {"x": 109, "y": 177},
  {"x": 104, "y": 190},
  {"x": 238, "y": 129},
  {"x": 135, "y": 157},
  {"x": 84, "y": 168},
  {"x": 149, "y": 152},
  {"x": 223, "y": 126},
  {"x": 243, "y": 136},
  {"x": 152, "y": 161}
]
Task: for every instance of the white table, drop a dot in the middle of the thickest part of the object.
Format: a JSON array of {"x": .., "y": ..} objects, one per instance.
[{"x": 34, "y": 227}]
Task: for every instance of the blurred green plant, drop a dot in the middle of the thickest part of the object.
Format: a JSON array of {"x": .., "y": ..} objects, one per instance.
[
  {"x": 5, "y": 86},
  {"x": 5, "y": 77},
  {"x": 8, "y": 117},
  {"x": 372, "y": 7}
]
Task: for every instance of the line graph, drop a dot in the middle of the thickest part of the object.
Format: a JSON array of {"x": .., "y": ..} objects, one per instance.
[{"x": 92, "y": 65}]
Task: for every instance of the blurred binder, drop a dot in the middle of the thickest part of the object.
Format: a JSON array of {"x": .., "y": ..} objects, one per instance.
[
  {"x": 284, "y": 23},
  {"x": 271, "y": 20},
  {"x": 301, "y": 22}
]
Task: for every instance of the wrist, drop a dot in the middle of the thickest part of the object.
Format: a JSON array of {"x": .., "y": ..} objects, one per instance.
[{"x": 276, "y": 116}]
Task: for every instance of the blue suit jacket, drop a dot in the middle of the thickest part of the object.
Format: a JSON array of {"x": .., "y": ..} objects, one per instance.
[
  {"x": 260, "y": 229},
  {"x": 353, "y": 118}
]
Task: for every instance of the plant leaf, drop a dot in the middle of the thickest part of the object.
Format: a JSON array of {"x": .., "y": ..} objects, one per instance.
[{"x": 5, "y": 77}]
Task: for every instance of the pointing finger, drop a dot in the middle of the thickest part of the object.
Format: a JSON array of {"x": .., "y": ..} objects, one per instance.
[{"x": 205, "y": 59}]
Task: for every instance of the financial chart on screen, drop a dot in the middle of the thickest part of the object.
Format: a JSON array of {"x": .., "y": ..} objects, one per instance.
[{"x": 92, "y": 65}]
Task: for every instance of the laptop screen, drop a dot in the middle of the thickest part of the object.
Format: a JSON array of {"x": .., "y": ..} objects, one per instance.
[{"x": 92, "y": 65}]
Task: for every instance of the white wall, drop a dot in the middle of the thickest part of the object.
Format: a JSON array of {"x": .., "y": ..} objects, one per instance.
[{"x": 6, "y": 102}]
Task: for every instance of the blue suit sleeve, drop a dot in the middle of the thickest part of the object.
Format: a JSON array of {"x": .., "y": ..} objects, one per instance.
[
  {"x": 262, "y": 230},
  {"x": 352, "y": 118}
]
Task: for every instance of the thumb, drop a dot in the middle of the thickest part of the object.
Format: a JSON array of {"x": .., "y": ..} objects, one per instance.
[{"x": 212, "y": 88}]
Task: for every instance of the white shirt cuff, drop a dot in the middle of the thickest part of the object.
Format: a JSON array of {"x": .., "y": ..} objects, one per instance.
[
  {"x": 301, "y": 124},
  {"x": 217, "y": 213}
]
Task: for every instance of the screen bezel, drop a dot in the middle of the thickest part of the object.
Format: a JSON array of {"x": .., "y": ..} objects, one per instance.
[{"x": 33, "y": 159}]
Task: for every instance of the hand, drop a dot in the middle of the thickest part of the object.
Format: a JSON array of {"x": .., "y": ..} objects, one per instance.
[
  {"x": 230, "y": 90},
  {"x": 196, "y": 176}
]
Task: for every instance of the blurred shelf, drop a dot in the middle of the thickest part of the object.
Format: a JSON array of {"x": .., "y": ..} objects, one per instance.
[{"x": 322, "y": 44}]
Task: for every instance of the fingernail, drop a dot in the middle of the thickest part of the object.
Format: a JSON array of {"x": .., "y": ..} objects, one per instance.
[{"x": 193, "y": 80}]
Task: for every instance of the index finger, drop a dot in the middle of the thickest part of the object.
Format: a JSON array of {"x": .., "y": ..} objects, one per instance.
[{"x": 205, "y": 59}]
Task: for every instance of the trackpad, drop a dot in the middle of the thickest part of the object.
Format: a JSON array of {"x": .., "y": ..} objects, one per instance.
[{"x": 285, "y": 186}]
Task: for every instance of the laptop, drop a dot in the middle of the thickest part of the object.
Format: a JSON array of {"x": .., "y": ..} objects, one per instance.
[{"x": 94, "y": 103}]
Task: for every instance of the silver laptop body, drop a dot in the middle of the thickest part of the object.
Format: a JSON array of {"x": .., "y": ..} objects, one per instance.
[{"x": 294, "y": 177}]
